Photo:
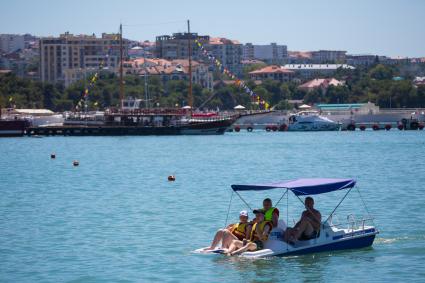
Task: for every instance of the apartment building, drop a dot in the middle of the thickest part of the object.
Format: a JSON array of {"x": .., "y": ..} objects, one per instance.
[
  {"x": 271, "y": 53},
  {"x": 328, "y": 56},
  {"x": 68, "y": 58},
  {"x": 11, "y": 42},
  {"x": 229, "y": 52}
]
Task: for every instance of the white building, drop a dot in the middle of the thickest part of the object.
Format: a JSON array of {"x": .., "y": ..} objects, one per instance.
[
  {"x": 306, "y": 71},
  {"x": 271, "y": 53},
  {"x": 11, "y": 42}
]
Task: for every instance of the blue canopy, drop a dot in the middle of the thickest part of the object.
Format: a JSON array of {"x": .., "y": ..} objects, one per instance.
[{"x": 299, "y": 187}]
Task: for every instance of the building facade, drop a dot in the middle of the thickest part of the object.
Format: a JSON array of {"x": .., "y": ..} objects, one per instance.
[
  {"x": 308, "y": 71},
  {"x": 67, "y": 58},
  {"x": 229, "y": 52},
  {"x": 272, "y": 53},
  {"x": 11, "y": 42},
  {"x": 328, "y": 56},
  {"x": 273, "y": 72}
]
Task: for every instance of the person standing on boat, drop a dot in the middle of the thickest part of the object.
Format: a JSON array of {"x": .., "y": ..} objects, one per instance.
[
  {"x": 270, "y": 213},
  {"x": 259, "y": 234},
  {"x": 309, "y": 225},
  {"x": 237, "y": 231}
]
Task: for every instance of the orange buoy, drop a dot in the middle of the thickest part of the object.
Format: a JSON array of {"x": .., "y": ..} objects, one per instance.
[
  {"x": 421, "y": 126},
  {"x": 362, "y": 127},
  {"x": 274, "y": 128},
  {"x": 75, "y": 163},
  {"x": 400, "y": 127},
  {"x": 171, "y": 178},
  {"x": 375, "y": 127},
  {"x": 388, "y": 127}
]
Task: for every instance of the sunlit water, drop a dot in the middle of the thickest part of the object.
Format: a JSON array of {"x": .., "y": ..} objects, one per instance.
[{"x": 115, "y": 218}]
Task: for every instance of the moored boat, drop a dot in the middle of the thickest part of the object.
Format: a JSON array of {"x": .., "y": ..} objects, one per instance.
[{"x": 311, "y": 121}]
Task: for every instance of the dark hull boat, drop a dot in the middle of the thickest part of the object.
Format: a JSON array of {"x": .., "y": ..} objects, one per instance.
[
  {"x": 13, "y": 128},
  {"x": 216, "y": 126}
]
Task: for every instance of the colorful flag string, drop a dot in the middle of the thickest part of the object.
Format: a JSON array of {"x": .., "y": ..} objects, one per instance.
[{"x": 239, "y": 83}]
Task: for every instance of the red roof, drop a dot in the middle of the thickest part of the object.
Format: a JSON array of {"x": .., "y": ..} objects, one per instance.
[{"x": 271, "y": 70}]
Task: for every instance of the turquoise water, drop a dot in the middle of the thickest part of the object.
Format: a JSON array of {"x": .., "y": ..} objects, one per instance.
[{"x": 115, "y": 218}]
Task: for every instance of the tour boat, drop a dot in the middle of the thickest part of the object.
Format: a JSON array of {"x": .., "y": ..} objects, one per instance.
[
  {"x": 354, "y": 234},
  {"x": 311, "y": 121}
]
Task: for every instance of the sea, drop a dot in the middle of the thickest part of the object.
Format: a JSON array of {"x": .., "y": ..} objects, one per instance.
[{"x": 117, "y": 218}]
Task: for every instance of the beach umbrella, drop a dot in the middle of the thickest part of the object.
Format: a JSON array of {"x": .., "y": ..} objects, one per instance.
[
  {"x": 239, "y": 107},
  {"x": 304, "y": 106}
]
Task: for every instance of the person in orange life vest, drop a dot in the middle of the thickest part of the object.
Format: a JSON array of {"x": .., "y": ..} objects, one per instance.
[
  {"x": 259, "y": 234},
  {"x": 236, "y": 231}
]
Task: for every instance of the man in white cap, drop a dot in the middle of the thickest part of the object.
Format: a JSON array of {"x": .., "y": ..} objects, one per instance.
[{"x": 238, "y": 231}]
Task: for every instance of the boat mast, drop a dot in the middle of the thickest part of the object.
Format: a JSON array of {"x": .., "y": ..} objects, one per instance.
[
  {"x": 121, "y": 69},
  {"x": 190, "y": 68}
]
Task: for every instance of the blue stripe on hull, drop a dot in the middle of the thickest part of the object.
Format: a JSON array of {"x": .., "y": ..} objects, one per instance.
[{"x": 355, "y": 243}]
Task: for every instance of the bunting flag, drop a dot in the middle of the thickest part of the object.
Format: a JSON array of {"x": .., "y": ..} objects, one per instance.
[
  {"x": 93, "y": 80},
  {"x": 228, "y": 73}
]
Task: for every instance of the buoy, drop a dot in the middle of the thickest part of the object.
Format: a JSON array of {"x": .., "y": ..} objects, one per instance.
[
  {"x": 52, "y": 155},
  {"x": 171, "y": 178},
  {"x": 421, "y": 126},
  {"x": 249, "y": 129},
  {"x": 362, "y": 127},
  {"x": 283, "y": 127},
  {"x": 75, "y": 163},
  {"x": 268, "y": 129},
  {"x": 351, "y": 127},
  {"x": 274, "y": 128},
  {"x": 237, "y": 129},
  {"x": 400, "y": 127},
  {"x": 388, "y": 127},
  {"x": 375, "y": 127}
]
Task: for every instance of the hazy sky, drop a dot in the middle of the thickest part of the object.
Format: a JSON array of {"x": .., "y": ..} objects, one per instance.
[{"x": 385, "y": 27}]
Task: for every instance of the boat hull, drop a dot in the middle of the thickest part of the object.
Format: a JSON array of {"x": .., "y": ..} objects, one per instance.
[
  {"x": 200, "y": 128},
  {"x": 12, "y": 128},
  {"x": 355, "y": 243}
]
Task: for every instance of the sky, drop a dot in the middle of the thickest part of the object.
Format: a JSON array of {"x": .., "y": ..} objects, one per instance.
[{"x": 384, "y": 27}]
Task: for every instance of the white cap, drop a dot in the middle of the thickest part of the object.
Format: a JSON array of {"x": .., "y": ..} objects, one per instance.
[{"x": 243, "y": 213}]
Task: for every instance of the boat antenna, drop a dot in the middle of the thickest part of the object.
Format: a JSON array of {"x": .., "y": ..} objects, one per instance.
[
  {"x": 121, "y": 69},
  {"x": 190, "y": 67}
]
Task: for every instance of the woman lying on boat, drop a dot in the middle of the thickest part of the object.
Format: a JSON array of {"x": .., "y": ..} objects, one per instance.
[
  {"x": 259, "y": 234},
  {"x": 238, "y": 231}
]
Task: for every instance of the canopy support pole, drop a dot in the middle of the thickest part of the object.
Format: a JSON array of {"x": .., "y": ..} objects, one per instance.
[
  {"x": 243, "y": 200},
  {"x": 281, "y": 198},
  {"x": 228, "y": 209},
  {"x": 333, "y": 211}
]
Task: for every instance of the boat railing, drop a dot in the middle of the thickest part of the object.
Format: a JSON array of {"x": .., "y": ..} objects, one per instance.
[{"x": 352, "y": 223}]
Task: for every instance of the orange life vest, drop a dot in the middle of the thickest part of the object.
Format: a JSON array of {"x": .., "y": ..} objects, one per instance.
[
  {"x": 239, "y": 230},
  {"x": 262, "y": 226}
]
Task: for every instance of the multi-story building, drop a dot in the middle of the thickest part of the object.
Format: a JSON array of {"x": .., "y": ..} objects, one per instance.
[
  {"x": 176, "y": 46},
  {"x": 307, "y": 71},
  {"x": 67, "y": 58},
  {"x": 362, "y": 59},
  {"x": 11, "y": 42},
  {"x": 229, "y": 52},
  {"x": 272, "y": 53},
  {"x": 328, "y": 56}
]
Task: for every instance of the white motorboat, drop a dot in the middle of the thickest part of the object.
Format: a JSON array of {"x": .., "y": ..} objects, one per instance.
[
  {"x": 311, "y": 121},
  {"x": 354, "y": 234}
]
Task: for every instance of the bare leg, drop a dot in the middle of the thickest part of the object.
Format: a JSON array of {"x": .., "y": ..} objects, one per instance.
[
  {"x": 227, "y": 239},
  {"x": 217, "y": 238},
  {"x": 304, "y": 227},
  {"x": 248, "y": 246},
  {"x": 236, "y": 244}
]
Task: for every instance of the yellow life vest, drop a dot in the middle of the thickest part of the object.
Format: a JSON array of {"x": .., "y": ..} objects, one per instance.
[
  {"x": 239, "y": 230},
  {"x": 268, "y": 215},
  {"x": 253, "y": 236}
]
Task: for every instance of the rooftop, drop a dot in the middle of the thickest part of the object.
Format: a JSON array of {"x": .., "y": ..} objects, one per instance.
[
  {"x": 274, "y": 69},
  {"x": 317, "y": 66}
]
